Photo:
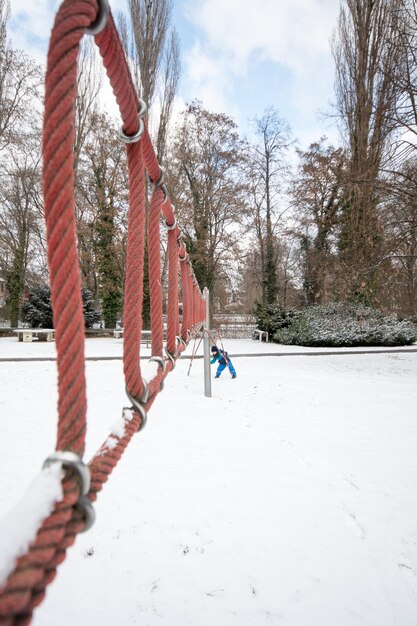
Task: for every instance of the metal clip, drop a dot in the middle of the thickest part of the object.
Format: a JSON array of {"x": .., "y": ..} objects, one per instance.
[
  {"x": 72, "y": 461},
  {"x": 101, "y": 20},
  {"x": 170, "y": 357},
  {"x": 164, "y": 190},
  {"x": 171, "y": 226},
  {"x": 160, "y": 180},
  {"x": 161, "y": 362},
  {"x": 161, "y": 183},
  {"x": 134, "y": 138},
  {"x": 139, "y": 404},
  {"x": 87, "y": 511}
]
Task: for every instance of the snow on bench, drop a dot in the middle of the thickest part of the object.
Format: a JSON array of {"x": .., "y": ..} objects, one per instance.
[
  {"x": 146, "y": 335},
  {"x": 29, "y": 334},
  {"x": 260, "y": 334}
]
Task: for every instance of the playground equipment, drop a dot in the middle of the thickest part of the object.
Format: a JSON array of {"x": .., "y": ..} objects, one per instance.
[{"x": 74, "y": 484}]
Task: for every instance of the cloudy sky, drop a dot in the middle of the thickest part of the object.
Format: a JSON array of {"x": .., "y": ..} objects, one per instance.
[{"x": 238, "y": 56}]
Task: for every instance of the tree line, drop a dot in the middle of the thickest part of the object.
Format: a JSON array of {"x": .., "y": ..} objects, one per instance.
[{"x": 338, "y": 224}]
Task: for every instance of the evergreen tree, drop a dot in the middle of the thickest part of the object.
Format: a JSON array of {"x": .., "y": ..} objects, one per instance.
[
  {"x": 37, "y": 309},
  {"x": 91, "y": 314}
]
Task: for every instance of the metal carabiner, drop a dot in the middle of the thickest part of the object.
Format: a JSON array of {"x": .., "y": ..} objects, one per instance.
[
  {"x": 134, "y": 138},
  {"x": 139, "y": 405},
  {"x": 161, "y": 362},
  {"x": 72, "y": 461}
]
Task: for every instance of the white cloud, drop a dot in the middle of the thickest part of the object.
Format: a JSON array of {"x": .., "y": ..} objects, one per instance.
[
  {"x": 235, "y": 36},
  {"x": 30, "y": 26},
  {"x": 210, "y": 80},
  {"x": 290, "y": 32}
]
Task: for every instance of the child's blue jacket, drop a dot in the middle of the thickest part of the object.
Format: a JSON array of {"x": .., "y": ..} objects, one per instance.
[{"x": 221, "y": 357}]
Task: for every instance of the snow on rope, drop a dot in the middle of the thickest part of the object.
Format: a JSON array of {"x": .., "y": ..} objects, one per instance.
[{"x": 59, "y": 503}]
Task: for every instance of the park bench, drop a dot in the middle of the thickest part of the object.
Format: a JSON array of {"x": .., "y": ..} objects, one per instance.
[
  {"x": 146, "y": 336},
  {"x": 40, "y": 334},
  {"x": 262, "y": 335}
]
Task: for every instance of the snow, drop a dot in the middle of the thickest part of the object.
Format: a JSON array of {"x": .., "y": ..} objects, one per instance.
[
  {"x": 19, "y": 527},
  {"x": 287, "y": 498},
  {"x": 117, "y": 431}
]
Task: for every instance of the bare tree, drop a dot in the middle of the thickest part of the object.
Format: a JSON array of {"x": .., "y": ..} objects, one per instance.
[
  {"x": 211, "y": 190},
  {"x": 88, "y": 87},
  {"x": 154, "y": 52},
  {"x": 20, "y": 80},
  {"x": 365, "y": 60},
  {"x": 267, "y": 167},
  {"x": 400, "y": 220},
  {"x": 103, "y": 198},
  {"x": 404, "y": 78},
  {"x": 20, "y": 213},
  {"x": 154, "y": 57},
  {"x": 168, "y": 90},
  {"x": 318, "y": 193},
  {"x": 150, "y": 22}
]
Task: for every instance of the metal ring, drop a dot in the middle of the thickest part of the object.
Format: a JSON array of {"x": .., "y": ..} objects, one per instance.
[
  {"x": 145, "y": 393},
  {"x": 170, "y": 357},
  {"x": 132, "y": 138},
  {"x": 101, "y": 20},
  {"x": 71, "y": 461},
  {"x": 143, "y": 107},
  {"x": 164, "y": 190},
  {"x": 171, "y": 226},
  {"x": 87, "y": 511},
  {"x": 138, "y": 405},
  {"x": 160, "y": 360}
]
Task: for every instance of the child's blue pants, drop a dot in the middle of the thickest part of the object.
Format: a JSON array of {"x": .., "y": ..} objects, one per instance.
[{"x": 221, "y": 367}]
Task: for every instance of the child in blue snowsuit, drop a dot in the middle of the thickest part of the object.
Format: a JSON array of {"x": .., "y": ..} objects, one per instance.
[{"x": 223, "y": 358}]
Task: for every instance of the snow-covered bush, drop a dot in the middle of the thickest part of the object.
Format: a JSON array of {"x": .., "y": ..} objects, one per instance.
[
  {"x": 272, "y": 317},
  {"x": 37, "y": 309},
  {"x": 341, "y": 324}
]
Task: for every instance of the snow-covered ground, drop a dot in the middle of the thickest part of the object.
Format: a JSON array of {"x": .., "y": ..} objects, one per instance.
[
  {"x": 113, "y": 348},
  {"x": 289, "y": 497}
]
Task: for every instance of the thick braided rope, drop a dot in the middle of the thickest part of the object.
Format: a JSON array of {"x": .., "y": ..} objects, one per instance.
[
  {"x": 149, "y": 156},
  {"x": 132, "y": 321},
  {"x": 114, "y": 61},
  {"x": 186, "y": 310},
  {"x": 58, "y": 183},
  {"x": 172, "y": 304},
  {"x": 25, "y": 587},
  {"x": 154, "y": 260}
]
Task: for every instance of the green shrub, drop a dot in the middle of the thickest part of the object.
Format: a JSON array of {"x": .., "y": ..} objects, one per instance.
[
  {"x": 341, "y": 324},
  {"x": 272, "y": 317}
]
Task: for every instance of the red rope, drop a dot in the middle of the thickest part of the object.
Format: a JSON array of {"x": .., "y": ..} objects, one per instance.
[
  {"x": 25, "y": 586},
  {"x": 154, "y": 260},
  {"x": 132, "y": 320},
  {"x": 172, "y": 304}
]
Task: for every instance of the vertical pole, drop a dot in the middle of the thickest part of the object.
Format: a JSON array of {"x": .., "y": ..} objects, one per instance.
[{"x": 206, "y": 344}]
